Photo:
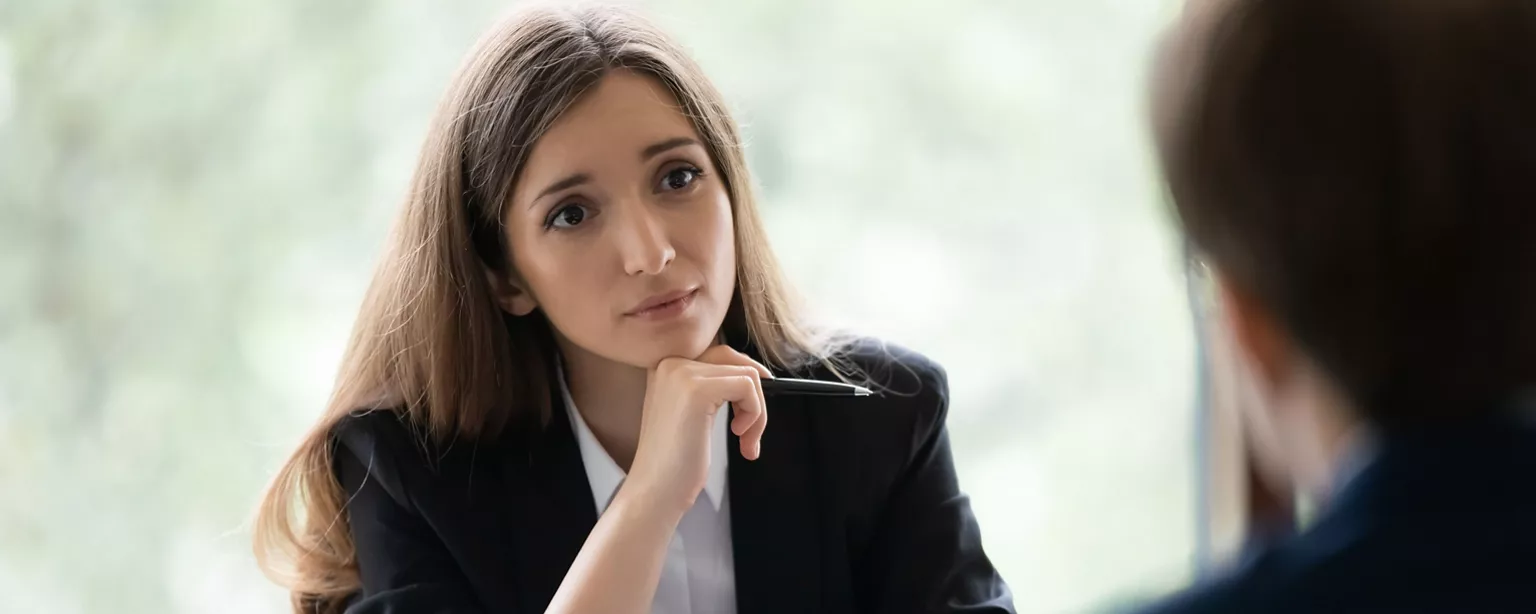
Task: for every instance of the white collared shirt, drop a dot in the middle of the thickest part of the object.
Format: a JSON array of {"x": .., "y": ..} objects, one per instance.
[{"x": 699, "y": 575}]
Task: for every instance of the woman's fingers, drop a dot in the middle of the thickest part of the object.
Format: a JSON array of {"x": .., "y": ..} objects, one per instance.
[
  {"x": 731, "y": 376},
  {"x": 744, "y": 391},
  {"x": 726, "y": 355},
  {"x": 742, "y": 420},
  {"x": 754, "y": 433}
]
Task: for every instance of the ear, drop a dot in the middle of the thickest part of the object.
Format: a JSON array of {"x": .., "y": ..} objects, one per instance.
[
  {"x": 1258, "y": 334},
  {"x": 510, "y": 293}
]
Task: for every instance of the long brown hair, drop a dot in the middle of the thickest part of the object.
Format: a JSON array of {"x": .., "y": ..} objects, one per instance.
[{"x": 430, "y": 340}]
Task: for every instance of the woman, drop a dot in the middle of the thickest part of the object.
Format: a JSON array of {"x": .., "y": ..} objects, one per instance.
[{"x": 525, "y": 420}]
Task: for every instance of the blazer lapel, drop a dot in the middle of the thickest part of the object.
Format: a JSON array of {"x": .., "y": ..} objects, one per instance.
[
  {"x": 775, "y": 534},
  {"x": 556, "y": 507}
]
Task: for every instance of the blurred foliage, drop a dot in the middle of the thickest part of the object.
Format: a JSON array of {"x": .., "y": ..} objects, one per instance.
[{"x": 193, "y": 192}]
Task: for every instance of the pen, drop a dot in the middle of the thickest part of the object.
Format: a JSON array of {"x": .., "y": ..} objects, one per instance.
[{"x": 810, "y": 387}]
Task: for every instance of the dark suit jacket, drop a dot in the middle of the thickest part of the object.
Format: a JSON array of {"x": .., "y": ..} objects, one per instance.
[
  {"x": 1439, "y": 522},
  {"x": 853, "y": 507}
]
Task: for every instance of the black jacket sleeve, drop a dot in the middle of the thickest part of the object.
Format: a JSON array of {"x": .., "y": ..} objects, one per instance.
[
  {"x": 404, "y": 566},
  {"x": 926, "y": 548}
]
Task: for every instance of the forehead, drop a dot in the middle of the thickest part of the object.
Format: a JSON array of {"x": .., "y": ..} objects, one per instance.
[{"x": 620, "y": 115}]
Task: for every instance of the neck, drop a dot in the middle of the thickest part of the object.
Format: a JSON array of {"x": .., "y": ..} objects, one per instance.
[
  {"x": 610, "y": 397},
  {"x": 1343, "y": 449},
  {"x": 1339, "y": 438}
]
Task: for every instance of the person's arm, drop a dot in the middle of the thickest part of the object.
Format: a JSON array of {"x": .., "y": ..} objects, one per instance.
[
  {"x": 402, "y": 563},
  {"x": 405, "y": 568},
  {"x": 620, "y": 564},
  {"x": 927, "y": 554}
]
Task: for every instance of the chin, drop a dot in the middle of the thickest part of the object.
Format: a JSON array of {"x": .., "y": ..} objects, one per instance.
[
  {"x": 645, "y": 351},
  {"x": 688, "y": 346}
]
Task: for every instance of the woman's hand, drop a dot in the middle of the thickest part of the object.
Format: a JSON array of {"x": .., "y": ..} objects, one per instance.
[
  {"x": 681, "y": 399},
  {"x": 620, "y": 563}
]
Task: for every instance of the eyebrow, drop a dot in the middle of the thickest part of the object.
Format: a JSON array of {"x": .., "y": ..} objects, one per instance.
[
  {"x": 655, "y": 150},
  {"x": 649, "y": 152},
  {"x": 563, "y": 184}
]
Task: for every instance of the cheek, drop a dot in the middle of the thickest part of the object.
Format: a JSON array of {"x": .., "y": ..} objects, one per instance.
[
  {"x": 722, "y": 236},
  {"x": 567, "y": 284}
]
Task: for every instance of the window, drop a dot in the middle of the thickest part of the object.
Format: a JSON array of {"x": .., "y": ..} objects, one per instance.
[{"x": 194, "y": 192}]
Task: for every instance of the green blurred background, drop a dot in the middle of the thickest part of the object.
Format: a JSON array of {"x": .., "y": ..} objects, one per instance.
[{"x": 193, "y": 193}]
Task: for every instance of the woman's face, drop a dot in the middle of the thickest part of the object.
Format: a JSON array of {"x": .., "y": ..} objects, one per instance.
[{"x": 620, "y": 228}]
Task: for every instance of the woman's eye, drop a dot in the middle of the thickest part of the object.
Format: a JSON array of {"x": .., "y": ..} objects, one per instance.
[
  {"x": 680, "y": 178},
  {"x": 568, "y": 216}
]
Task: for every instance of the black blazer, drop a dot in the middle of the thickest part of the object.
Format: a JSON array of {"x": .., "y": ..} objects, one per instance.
[
  {"x": 1441, "y": 522},
  {"x": 853, "y": 507}
]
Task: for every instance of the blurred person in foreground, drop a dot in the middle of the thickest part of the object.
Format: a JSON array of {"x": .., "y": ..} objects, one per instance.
[
  {"x": 1360, "y": 176},
  {"x": 553, "y": 398}
]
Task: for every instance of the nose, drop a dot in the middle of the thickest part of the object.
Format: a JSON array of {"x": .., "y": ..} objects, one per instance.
[{"x": 644, "y": 243}]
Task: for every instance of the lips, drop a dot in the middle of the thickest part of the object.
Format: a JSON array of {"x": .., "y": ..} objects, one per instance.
[{"x": 661, "y": 302}]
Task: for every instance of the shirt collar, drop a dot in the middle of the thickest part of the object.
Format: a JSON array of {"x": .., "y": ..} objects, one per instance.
[{"x": 605, "y": 476}]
